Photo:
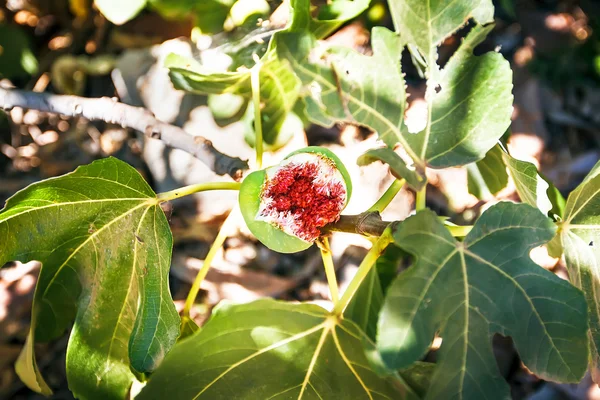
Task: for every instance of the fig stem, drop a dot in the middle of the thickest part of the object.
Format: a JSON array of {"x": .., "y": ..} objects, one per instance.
[
  {"x": 388, "y": 196},
  {"x": 371, "y": 225},
  {"x": 216, "y": 246},
  {"x": 258, "y": 133},
  {"x": 365, "y": 266},
  {"x": 199, "y": 187},
  {"x": 323, "y": 244}
]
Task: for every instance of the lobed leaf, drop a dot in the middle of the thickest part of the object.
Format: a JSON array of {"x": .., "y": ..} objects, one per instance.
[
  {"x": 468, "y": 114},
  {"x": 469, "y": 103},
  {"x": 580, "y": 239},
  {"x": 272, "y": 350},
  {"x": 351, "y": 87},
  {"x": 472, "y": 289},
  {"x": 105, "y": 246},
  {"x": 426, "y": 24}
]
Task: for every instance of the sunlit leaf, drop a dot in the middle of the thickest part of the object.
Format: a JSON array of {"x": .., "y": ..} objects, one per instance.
[
  {"x": 398, "y": 167},
  {"x": 118, "y": 12},
  {"x": 105, "y": 247},
  {"x": 226, "y": 106},
  {"x": 272, "y": 350},
  {"x": 580, "y": 239},
  {"x": 469, "y": 290},
  {"x": 351, "y": 87},
  {"x": 469, "y": 103},
  {"x": 533, "y": 187},
  {"x": 425, "y": 24},
  {"x": 330, "y": 16},
  {"x": 244, "y": 11},
  {"x": 470, "y": 110},
  {"x": 278, "y": 87}
]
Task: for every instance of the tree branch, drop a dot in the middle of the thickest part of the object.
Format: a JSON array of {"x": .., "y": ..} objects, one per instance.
[
  {"x": 367, "y": 223},
  {"x": 138, "y": 118}
]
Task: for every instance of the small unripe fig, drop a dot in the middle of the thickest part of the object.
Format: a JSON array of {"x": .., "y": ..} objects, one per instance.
[{"x": 287, "y": 205}]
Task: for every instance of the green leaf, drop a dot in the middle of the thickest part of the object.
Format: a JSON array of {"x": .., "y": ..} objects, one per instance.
[
  {"x": 469, "y": 103},
  {"x": 488, "y": 176},
  {"x": 397, "y": 166},
  {"x": 105, "y": 246},
  {"x": 366, "y": 304},
  {"x": 210, "y": 14},
  {"x": 279, "y": 87},
  {"x": 580, "y": 239},
  {"x": 271, "y": 350},
  {"x": 291, "y": 127},
  {"x": 118, "y": 12},
  {"x": 249, "y": 11},
  {"x": 226, "y": 106},
  {"x": 469, "y": 290},
  {"x": 533, "y": 188},
  {"x": 425, "y": 24},
  {"x": 469, "y": 113},
  {"x": 351, "y": 87},
  {"x": 188, "y": 327},
  {"x": 16, "y": 58},
  {"x": 418, "y": 376},
  {"x": 330, "y": 16}
]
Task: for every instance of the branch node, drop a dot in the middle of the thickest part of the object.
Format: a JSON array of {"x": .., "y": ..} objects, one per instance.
[{"x": 152, "y": 131}]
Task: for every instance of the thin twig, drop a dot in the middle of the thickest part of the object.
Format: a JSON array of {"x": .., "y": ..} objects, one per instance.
[{"x": 140, "y": 119}]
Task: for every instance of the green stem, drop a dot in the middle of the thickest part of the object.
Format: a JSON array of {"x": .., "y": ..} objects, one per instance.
[
  {"x": 258, "y": 133},
  {"x": 329, "y": 269},
  {"x": 365, "y": 266},
  {"x": 421, "y": 198},
  {"x": 217, "y": 244},
  {"x": 388, "y": 196},
  {"x": 199, "y": 187}
]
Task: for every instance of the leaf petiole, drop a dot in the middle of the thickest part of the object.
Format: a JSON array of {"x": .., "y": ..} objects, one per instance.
[
  {"x": 258, "y": 133},
  {"x": 323, "y": 244},
  {"x": 217, "y": 244},
  {"x": 388, "y": 196},
  {"x": 421, "y": 198},
  {"x": 199, "y": 187},
  {"x": 365, "y": 266}
]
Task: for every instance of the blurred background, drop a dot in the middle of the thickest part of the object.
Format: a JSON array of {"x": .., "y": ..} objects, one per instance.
[{"x": 117, "y": 49}]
